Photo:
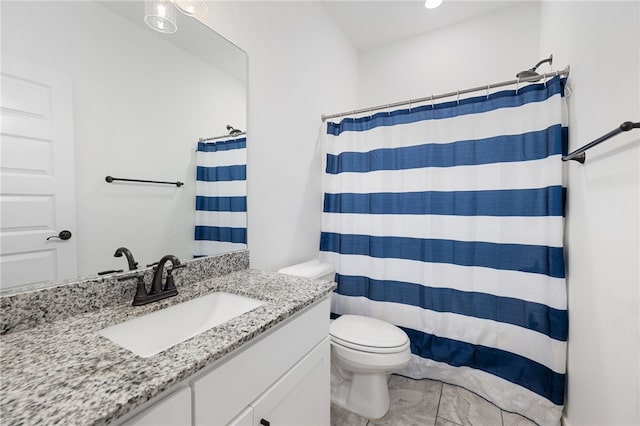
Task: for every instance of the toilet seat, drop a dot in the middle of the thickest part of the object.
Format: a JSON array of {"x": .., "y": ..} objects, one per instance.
[
  {"x": 368, "y": 335},
  {"x": 370, "y": 349}
]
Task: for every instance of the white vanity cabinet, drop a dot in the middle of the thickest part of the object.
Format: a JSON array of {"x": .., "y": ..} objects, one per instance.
[
  {"x": 279, "y": 378},
  {"x": 283, "y": 377}
]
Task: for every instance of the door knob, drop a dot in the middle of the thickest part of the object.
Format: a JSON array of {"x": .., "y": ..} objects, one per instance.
[{"x": 63, "y": 235}]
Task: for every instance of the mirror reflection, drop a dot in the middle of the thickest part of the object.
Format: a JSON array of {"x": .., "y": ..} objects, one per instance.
[{"x": 90, "y": 91}]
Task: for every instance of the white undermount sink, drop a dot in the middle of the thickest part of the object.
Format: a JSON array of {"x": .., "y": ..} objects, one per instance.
[{"x": 152, "y": 333}]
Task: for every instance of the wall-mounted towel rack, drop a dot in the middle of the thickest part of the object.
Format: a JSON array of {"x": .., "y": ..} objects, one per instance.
[
  {"x": 111, "y": 179},
  {"x": 579, "y": 155}
]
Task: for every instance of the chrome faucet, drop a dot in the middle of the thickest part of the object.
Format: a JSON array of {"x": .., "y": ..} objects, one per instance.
[
  {"x": 158, "y": 291},
  {"x": 130, "y": 260}
]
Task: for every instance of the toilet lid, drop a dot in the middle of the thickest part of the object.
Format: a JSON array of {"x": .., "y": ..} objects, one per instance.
[{"x": 368, "y": 332}]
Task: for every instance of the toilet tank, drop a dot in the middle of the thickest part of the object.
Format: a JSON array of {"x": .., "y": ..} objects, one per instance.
[{"x": 311, "y": 269}]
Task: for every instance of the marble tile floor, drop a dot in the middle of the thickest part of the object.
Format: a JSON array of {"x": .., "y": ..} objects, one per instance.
[{"x": 432, "y": 403}]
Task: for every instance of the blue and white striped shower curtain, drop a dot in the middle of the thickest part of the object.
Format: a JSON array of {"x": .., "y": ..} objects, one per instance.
[
  {"x": 221, "y": 197},
  {"x": 447, "y": 221}
]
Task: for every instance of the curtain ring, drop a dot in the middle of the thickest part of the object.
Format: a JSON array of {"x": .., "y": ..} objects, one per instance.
[
  {"x": 517, "y": 85},
  {"x": 458, "y": 96},
  {"x": 370, "y": 112},
  {"x": 409, "y": 105},
  {"x": 432, "y": 105},
  {"x": 389, "y": 110},
  {"x": 488, "y": 87}
]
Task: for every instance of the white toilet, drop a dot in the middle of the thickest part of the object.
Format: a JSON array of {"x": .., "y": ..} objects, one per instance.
[{"x": 364, "y": 352}]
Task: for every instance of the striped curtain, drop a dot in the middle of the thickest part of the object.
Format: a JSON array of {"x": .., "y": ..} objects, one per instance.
[
  {"x": 221, "y": 197},
  {"x": 447, "y": 221}
]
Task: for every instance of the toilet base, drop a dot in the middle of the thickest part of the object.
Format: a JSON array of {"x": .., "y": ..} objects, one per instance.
[{"x": 366, "y": 395}]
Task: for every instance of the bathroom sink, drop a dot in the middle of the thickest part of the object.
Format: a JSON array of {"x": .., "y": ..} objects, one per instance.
[{"x": 152, "y": 333}]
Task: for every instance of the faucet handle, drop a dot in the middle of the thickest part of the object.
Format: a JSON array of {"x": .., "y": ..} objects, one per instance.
[
  {"x": 170, "y": 283},
  {"x": 141, "y": 291}
]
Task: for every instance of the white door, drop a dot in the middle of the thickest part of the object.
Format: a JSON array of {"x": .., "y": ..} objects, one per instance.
[{"x": 37, "y": 174}]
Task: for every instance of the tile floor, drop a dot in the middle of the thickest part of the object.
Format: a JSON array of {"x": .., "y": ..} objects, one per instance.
[{"x": 432, "y": 403}]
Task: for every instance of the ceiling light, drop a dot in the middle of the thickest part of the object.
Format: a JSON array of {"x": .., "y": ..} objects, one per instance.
[
  {"x": 192, "y": 7},
  {"x": 432, "y": 4},
  {"x": 160, "y": 15}
]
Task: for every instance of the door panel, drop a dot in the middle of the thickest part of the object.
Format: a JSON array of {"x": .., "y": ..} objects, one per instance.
[
  {"x": 30, "y": 267},
  {"x": 28, "y": 155},
  {"x": 21, "y": 212},
  {"x": 37, "y": 172}
]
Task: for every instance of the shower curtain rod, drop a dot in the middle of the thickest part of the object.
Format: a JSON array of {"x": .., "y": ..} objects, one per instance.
[
  {"x": 532, "y": 79},
  {"x": 221, "y": 137}
]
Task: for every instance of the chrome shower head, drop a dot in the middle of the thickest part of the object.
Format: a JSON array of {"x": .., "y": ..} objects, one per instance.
[
  {"x": 528, "y": 75},
  {"x": 531, "y": 74}
]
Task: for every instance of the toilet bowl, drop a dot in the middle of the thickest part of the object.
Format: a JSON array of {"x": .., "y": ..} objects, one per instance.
[{"x": 364, "y": 352}]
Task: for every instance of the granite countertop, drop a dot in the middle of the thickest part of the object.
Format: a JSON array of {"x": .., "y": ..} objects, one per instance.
[{"x": 65, "y": 373}]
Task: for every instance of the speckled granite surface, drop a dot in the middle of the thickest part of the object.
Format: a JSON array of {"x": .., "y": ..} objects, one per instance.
[
  {"x": 65, "y": 373},
  {"x": 24, "y": 308}
]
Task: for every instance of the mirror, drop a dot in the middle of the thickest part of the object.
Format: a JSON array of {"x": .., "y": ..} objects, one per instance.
[{"x": 141, "y": 100}]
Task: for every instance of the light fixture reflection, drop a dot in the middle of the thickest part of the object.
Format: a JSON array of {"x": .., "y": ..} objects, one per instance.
[
  {"x": 160, "y": 15},
  {"x": 192, "y": 7},
  {"x": 432, "y": 4}
]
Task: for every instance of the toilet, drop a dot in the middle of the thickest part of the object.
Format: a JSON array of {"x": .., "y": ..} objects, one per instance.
[{"x": 364, "y": 352}]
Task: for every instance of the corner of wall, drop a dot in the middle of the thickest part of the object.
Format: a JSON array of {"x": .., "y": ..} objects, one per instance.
[{"x": 602, "y": 224}]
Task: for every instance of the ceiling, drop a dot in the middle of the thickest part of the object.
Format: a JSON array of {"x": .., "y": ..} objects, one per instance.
[{"x": 370, "y": 24}]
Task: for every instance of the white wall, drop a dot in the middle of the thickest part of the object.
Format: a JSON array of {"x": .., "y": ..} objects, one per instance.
[
  {"x": 477, "y": 52},
  {"x": 140, "y": 104},
  {"x": 601, "y": 42},
  {"x": 300, "y": 66}
]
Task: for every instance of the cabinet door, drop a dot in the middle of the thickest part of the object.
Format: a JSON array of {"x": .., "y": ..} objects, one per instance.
[
  {"x": 301, "y": 397},
  {"x": 222, "y": 393},
  {"x": 245, "y": 418},
  {"x": 174, "y": 410}
]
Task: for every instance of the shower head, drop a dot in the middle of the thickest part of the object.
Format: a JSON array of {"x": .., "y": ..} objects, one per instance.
[
  {"x": 233, "y": 131},
  {"x": 528, "y": 74},
  {"x": 531, "y": 74}
]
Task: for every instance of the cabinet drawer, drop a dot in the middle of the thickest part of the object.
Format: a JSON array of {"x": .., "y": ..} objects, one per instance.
[{"x": 228, "y": 389}]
